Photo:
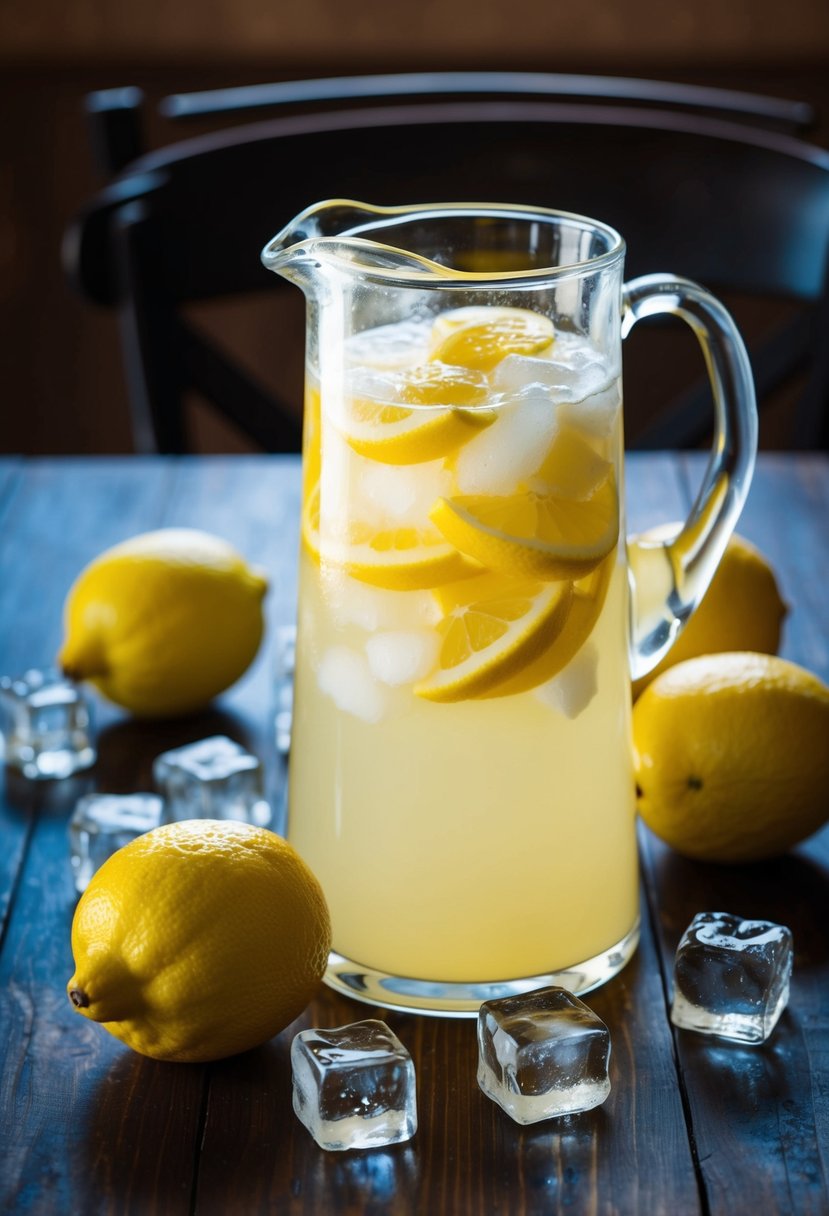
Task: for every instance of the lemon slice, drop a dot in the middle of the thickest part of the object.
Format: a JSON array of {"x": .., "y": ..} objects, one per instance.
[
  {"x": 398, "y": 558},
  {"x": 493, "y": 628},
  {"x": 532, "y": 533},
  {"x": 482, "y": 344},
  {"x": 585, "y": 607},
  {"x": 447, "y": 322},
  {"x": 571, "y": 468},
  {"x": 394, "y": 434}
]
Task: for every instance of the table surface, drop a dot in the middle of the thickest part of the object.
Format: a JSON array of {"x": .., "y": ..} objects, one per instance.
[{"x": 692, "y": 1125}]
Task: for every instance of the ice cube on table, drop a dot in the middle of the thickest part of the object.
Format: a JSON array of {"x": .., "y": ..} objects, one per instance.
[
  {"x": 46, "y": 724},
  {"x": 731, "y": 976},
  {"x": 354, "y": 1087},
  {"x": 212, "y": 779},
  {"x": 103, "y": 823},
  {"x": 284, "y": 665},
  {"x": 542, "y": 1054}
]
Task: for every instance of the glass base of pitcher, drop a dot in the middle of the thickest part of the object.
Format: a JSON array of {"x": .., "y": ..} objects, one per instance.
[{"x": 459, "y": 1000}]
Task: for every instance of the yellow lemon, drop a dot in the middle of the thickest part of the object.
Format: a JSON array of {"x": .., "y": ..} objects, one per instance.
[
  {"x": 397, "y": 558},
  {"x": 533, "y": 533},
  {"x": 164, "y": 622},
  {"x": 741, "y": 610},
  {"x": 447, "y": 322},
  {"x": 199, "y": 940},
  {"x": 585, "y": 605},
  {"x": 436, "y": 423},
  {"x": 483, "y": 343},
  {"x": 492, "y": 628},
  {"x": 732, "y": 756}
]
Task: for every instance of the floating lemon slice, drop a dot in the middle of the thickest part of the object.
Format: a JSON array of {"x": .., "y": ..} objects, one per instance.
[
  {"x": 482, "y": 344},
  {"x": 438, "y": 423},
  {"x": 588, "y": 600},
  {"x": 447, "y": 322},
  {"x": 398, "y": 558},
  {"x": 532, "y": 533},
  {"x": 571, "y": 468},
  {"x": 492, "y": 629}
]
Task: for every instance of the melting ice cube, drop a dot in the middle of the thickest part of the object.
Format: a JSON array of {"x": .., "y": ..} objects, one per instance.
[
  {"x": 731, "y": 976},
  {"x": 542, "y": 1054},
  {"x": 354, "y": 1087}
]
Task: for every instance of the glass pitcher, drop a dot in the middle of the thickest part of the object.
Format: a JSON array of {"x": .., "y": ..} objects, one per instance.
[{"x": 461, "y": 776}]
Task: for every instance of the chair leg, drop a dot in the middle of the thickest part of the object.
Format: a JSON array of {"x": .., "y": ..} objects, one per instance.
[
  {"x": 151, "y": 339},
  {"x": 115, "y": 123}
]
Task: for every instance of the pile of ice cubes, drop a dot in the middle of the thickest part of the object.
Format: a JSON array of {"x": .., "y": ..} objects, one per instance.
[{"x": 47, "y": 733}]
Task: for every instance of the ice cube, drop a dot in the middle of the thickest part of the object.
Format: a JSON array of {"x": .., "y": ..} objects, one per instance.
[
  {"x": 46, "y": 723},
  {"x": 401, "y": 493},
  {"x": 542, "y": 1054},
  {"x": 284, "y": 664},
  {"x": 575, "y": 686},
  {"x": 354, "y": 1087},
  {"x": 731, "y": 976},
  {"x": 390, "y": 346},
  {"x": 570, "y": 375},
  {"x": 510, "y": 450},
  {"x": 596, "y": 415},
  {"x": 399, "y": 657},
  {"x": 103, "y": 823},
  {"x": 212, "y": 779},
  {"x": 371, "y": 383},
  {"x": 344, "y": 675},
  {"x": 351, "y": 602}
]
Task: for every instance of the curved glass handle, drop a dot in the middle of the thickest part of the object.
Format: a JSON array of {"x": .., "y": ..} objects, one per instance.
[{"x": 669, "y": 575}]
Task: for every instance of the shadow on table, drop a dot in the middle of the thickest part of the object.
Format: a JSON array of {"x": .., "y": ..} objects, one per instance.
[
  {"x": 127, "y": 748},
  {"x": 787, "y": 890}
]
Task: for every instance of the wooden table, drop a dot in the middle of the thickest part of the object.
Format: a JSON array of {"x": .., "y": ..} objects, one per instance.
[{"x": 692, "y": 1125}]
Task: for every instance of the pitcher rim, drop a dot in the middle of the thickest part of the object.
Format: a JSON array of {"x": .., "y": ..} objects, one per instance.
[{"x": 424, "y": 270}]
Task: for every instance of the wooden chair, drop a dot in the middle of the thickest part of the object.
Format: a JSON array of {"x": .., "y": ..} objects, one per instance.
[{"x": 709, "y": 184}]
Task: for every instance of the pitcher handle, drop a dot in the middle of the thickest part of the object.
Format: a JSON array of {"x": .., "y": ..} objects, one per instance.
[{"x": 679, "y": 568}]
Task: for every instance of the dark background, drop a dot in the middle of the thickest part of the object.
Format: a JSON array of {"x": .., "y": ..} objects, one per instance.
[{"x": 61, "y": 382}]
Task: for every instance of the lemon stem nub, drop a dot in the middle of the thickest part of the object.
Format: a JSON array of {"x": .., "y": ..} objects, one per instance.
[{"x": 79, "y": 998}]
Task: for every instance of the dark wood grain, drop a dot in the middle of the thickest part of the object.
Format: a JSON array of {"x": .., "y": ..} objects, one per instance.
[
  {"x": 85, "y": 1126},
  {"x": 692, "y": 1126},
  {"x": 760, "y": 1115}
]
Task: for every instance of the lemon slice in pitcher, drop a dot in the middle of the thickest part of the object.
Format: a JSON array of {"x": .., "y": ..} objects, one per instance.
[
  {"x": 484, "y": 343},
  {"x": 396, "y": 557},
  {"x": 427, "y": 419},
  {"x": 532, "y": 533},
  {"x": 589, "y": 595},
  {"x": 492, "y": 629}
]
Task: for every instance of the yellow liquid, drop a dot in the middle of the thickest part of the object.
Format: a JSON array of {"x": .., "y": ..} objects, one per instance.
[{"x": 480, "y": 841}]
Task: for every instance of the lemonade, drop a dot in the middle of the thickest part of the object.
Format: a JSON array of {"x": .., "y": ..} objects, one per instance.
[{"x": 461, "y": 774}]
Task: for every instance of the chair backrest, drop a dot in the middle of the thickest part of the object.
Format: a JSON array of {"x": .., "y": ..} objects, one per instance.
[{"x": 730, "y": 203}]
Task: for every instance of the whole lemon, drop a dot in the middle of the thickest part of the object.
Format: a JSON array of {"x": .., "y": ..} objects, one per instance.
[
  {"x": 199, "y": 940},
  {"x": 741, "y": 610},
  {"x": 731, "y": 754},
  {"x": 164, "y": 622}
]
